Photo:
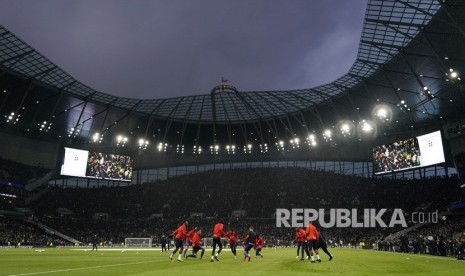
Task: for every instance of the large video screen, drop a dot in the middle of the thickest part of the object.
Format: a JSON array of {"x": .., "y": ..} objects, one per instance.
[
  {"x": 82, "y": 163},
  {"x": 421, "y": 151}
]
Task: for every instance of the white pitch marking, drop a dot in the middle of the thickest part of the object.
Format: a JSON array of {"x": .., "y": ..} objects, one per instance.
[{"x": 81, "y": 268}]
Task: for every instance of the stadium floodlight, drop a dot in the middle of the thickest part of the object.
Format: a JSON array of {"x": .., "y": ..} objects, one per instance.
[
  {"x": 231, "y": 149},
  {"x": 328, "y": 135},
  {"x": 121, "y": 140},
  {"x": 383, "y": 113},
  {"x": 73, "y": 132},
  {"x": 280, "y": 145},
  {"x": 367, "y": 130},
  {"x": 263, "y": 148},
  {"x": 143, "y": 144},
  {"x": 345, "y": 128},
  {"x": 96, "y": 138},
  {"x": 248, "y": 148},
  {"x": 365, "y": 126},
  {"x": 46, "y": 126},
  {"x": 197, "y": 149},
  {"x": 214, "y": 149},
  {"x": 453, "y": 75},
  {"x": 294, "y": 142},
  {"x": 311, "y": 140},
  {"x": 11, "y": 118}
]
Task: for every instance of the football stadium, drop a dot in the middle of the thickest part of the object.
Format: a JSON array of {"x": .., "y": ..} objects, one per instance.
[{"x": 362, "y": 175}]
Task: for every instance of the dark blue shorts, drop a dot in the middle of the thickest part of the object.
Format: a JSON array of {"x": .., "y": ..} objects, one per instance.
[
  {"x": 177, "y": 243},
  {"x": 196, "y": 248},
  {"x": 247, "y": 247},
  {"x": 312, "y": 244}
]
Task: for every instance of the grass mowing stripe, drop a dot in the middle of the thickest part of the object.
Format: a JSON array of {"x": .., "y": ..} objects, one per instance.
[
  {"x": 425, "y": 256},
  {"x": 81, "y": 268}
]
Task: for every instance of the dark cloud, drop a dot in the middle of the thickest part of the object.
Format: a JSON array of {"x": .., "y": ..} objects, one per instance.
[{"x": 153, "y": 49}]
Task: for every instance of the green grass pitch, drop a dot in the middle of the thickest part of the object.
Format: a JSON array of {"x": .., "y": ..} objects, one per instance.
[{"x": 276, "y": 262}]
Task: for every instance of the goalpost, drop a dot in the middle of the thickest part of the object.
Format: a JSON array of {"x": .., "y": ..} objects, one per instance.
[
  {"x": 138, "y": 242},
  {"x": 208, "y": 242}
]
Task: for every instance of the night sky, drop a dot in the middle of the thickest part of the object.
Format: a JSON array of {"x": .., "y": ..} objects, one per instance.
[{"x": 158, "y": 49}]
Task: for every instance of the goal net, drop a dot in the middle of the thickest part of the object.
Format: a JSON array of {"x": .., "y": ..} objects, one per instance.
[
  {"x": 138, "y": 242},
  {"x": 208, "y": 242}
]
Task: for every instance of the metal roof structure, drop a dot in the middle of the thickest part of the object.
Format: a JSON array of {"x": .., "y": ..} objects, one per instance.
[{"x": 407, "y": 53}]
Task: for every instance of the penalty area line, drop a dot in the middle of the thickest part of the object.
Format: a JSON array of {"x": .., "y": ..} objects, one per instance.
[{"x": 82, "y": 268}]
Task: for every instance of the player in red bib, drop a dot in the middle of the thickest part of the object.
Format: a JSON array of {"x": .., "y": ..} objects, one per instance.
[
  {"x": 231, "y": 238},
  {"x": 190, "y": 236},
  {"x": 196, "y": 245},
  {"x": 217, "y": 234},
  {"x": 178, "y": 235},
  {"x": 312, "y": 241},
  {"x": 259, "y": 242},
  {"x": 300, "y": 236}
]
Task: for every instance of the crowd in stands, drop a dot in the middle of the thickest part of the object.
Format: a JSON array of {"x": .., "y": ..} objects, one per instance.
[
  {"x": 19, "y": 173},
  {"x": 109, "y": 166},
  {"x": 150, "y": 210},
  {"x": 257, "y": 191},
  {"x": 15, "y": 233},
  {"x": 13, "y": 178},
  {"x": 396, "y": 156}
]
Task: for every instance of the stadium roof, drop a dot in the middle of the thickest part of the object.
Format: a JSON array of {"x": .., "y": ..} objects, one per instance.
[{"x": 406, "y": 52}]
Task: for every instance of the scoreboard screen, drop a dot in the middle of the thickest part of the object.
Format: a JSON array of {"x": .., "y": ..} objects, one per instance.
[
  {"x": 420, "y": 151},
  {"x": 82, "y": 163}
]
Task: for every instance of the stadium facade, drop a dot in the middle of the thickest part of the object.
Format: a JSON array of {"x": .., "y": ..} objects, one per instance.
[{"x": 405, "y": 81}]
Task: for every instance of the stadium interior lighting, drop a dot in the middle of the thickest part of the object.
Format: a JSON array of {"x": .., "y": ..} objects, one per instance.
[
  {"x": 97, "y": 138},
  {"x": 45, "y": 127},
  {"x": 214, "y": 149},
  {"x": 453, "y": 75},
  {"x": 295, "y": 142},
  {"x": 311, "y": 140},
  {"x": 197, "y": 149},
  {"x": 10, "y": 118},
  {"x": 248, "y": 148},
  {"x": 180, "y": 149},
  {"x": 427, "y": 92},
  {"x": 263, "y": 148},
  {"x": 162, "y": 147},
  {"x": 121, "y": 140},
  {"x": 402, "y": 105},
  {"x": 231, "y": 149},
  {"x": 73, "y": 132},
  {"x": 280, "y": 145},
  {"x": 382, "y": 113},
  {"x": 327, "y": 135},
  {"x": 365, "y": 126},
  {"x": 346, "y": 128},
  {"x": 143, "y": 144}
]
